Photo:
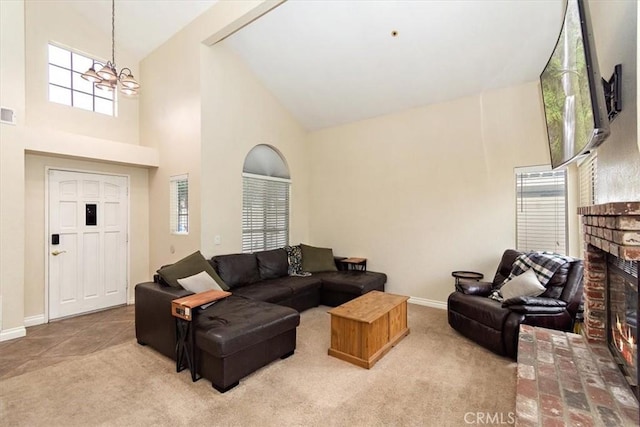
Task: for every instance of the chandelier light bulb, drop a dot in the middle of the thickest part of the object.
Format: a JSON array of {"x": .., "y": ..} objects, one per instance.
[
  {"x": 128, "y": 91},
  {"x": 106, "y": 86},
  {"x": 127, "y": 80},
  {"x": 91, "y": 75}
]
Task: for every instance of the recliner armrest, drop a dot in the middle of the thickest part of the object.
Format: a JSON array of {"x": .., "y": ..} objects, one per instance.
[
  {"x": 474, "y": 287},
  {"x": 535, "y": 305}
]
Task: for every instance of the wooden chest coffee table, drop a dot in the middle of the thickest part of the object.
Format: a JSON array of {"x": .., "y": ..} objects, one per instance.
[{"x": 366, "y": 328}]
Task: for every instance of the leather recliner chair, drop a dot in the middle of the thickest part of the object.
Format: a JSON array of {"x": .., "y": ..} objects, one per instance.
[{"x": 496, "y": 325}]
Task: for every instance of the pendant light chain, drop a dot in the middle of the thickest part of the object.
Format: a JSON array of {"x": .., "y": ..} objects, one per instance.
[{"x": 113, "y": 33}]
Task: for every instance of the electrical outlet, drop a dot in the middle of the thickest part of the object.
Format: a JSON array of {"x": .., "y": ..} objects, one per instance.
[{"x": 216, "y": 239}]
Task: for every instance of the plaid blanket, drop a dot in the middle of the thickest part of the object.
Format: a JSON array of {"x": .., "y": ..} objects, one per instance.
[{"x": 544, "y": 264}]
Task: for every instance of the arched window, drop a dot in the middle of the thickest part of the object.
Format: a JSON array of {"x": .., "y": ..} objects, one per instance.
[{"x": 265, "y": 200}]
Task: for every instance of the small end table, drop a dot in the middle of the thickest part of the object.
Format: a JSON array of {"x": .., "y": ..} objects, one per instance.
[
  {"x": 355, "y": 264},
  {"x": 471, "y": 275},
  {"x": 183, "y": 309}
]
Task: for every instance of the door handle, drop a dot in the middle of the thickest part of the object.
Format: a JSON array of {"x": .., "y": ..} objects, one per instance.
[{"x": 56, "y": 253}]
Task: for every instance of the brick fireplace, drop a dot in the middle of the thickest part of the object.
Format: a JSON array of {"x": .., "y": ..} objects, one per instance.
[
  {"x": 612, "y": 250},
  {"x": 566, "y": 379}
]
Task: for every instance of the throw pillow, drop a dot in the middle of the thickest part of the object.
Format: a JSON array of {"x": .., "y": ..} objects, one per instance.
[
  {"x": 526, "y": 284},
  {"x": 189, "y": 266},
  {"x": 200, "y": 282},
  {"x": 294, "y": 255},
  {"x": 317, "y": 259}
]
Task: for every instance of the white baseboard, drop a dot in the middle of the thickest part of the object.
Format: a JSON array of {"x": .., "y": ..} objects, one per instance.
[
  {"x": 13, "y": 333},
  {"x": 131, "y": 301},
  {"x": 428, "y": 302},
  {"x": 34, "y": 320}
]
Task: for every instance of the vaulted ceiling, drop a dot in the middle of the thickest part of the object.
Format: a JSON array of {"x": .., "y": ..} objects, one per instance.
[
  {"x": 337, "y": 61},
  {"x": 333, "y": 62}
]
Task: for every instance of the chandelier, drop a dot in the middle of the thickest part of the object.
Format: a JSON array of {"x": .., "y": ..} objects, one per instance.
[{"x": 108, "y": 78}]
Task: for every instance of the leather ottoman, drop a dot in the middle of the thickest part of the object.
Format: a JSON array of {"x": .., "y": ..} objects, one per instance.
[{"x": 236, "y": 336}]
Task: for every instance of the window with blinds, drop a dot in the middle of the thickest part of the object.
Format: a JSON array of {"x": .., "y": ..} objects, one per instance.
[
  {"x": 541, "y": 210},
  {"x": 588, "y": 179},
  {"x": 265, "y": 212},
  {"x": 179, "y": 204}
]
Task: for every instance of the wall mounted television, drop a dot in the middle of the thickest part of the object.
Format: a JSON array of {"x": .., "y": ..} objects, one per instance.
[{"x": 572, "y": 90}]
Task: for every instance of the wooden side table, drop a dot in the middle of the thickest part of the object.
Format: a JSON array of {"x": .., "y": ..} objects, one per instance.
[
  {"x": 354, "y": 263},
  {"x": 183, "y": 309}
]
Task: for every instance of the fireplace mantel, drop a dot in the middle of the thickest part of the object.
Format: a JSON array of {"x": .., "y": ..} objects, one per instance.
[{"x": 614, "y": 228}]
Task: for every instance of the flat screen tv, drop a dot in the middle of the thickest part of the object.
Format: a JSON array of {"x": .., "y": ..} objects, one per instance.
[{"x": 572, "y": 90}]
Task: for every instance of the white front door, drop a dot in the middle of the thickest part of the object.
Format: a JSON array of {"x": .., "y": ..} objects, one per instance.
[{"x": 87, "y": 242}]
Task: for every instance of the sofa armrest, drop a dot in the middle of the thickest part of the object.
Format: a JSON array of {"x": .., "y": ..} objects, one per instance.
[
  {"x": 535, "y": 305},
  {"x": 474, "y": 287}
]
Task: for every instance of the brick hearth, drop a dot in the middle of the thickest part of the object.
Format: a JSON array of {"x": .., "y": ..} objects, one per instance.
[{"x": 564, "y": 381}]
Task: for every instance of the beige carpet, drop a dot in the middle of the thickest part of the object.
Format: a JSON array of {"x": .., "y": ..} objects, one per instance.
[{"x": 431, "y": 378}]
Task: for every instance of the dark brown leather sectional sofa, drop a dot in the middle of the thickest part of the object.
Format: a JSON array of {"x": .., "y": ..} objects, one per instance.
[{"x": 254, "y": 326}]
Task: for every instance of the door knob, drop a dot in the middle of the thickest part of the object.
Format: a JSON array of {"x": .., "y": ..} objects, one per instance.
[{"x": 56, "y": 253}]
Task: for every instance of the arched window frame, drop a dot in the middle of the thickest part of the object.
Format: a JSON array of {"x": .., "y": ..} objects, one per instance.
[{"x": 265, "y": 207}]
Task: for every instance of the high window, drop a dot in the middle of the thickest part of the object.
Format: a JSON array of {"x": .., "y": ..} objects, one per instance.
[
  {"x": 541, "y": 210},
  {"x": 265, "y": 200},
  {"x": 66, "y": 85},
  {"x": 179, "y": 204}
]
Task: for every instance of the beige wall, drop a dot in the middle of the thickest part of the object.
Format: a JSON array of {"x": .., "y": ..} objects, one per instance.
[
  {"x": 57, "y": 22},
  {"x": 240, "y": 114},
  {"x": 35, "y": 238},
  {"x": 427, "y": 191},
  {"x": 615, "y": 31},
  {"x": 12, "y": 58},
  {"x": 170, "y": 122}
]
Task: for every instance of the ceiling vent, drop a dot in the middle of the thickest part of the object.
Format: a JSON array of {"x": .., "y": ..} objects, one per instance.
[{"x": 7, "y": 116}]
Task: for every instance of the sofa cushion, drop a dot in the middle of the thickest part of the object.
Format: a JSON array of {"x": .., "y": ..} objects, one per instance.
[
  {"x": 353, "y": 282},
  {"x": 237, "y": 269},
  {"x": 188, "y": 266},
  {"x": 272, "y": 264},
  {"x": 317, "y": 259},
  {"x": 234, "y": 324},
  {"x": 297, "y": 284},
  {"x": 264, "y": 291},
  {"x": 200, "y": 282}
]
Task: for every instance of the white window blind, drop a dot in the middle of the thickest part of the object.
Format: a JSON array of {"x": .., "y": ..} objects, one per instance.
[
  {"x": 588, "y": 180},
  {"x": 265, "y": 213},
  {"x": 179, "y": 204},
  {"x": 66, "y": 85},
  {"x": 541, "y": 210}
]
